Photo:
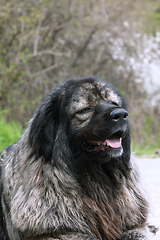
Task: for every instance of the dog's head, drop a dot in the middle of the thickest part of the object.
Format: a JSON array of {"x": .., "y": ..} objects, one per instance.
[{"x": 86, "y": 115}]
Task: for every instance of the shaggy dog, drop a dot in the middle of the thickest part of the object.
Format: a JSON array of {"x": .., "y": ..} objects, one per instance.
[{"x": 70, "y": 175}]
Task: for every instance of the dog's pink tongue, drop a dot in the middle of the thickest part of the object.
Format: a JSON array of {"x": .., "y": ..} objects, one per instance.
[{"x": 114, "y": 143}]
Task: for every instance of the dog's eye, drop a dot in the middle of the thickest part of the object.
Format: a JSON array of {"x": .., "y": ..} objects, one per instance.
[
  {"x": 86, "y": 110},
  {"x": 114, "y": 103}
]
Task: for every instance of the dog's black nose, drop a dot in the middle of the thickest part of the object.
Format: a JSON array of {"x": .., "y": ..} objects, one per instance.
[{"x": 119, "y": 114}]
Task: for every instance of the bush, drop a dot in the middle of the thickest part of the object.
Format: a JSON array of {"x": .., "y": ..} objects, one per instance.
[{"x": 9, "y": 133}]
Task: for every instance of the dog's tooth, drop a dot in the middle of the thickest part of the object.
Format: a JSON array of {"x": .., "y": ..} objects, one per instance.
[{"x": 105, "y": 143}]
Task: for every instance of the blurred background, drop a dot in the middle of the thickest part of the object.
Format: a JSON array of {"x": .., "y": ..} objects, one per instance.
[{"x": 42, "y": 43}]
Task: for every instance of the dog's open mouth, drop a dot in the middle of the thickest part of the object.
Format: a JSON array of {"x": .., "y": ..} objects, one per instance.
[{"x": 112, "y": 142}]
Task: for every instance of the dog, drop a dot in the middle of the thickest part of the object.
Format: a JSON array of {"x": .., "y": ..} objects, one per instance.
[{"x": 71, "y": 176}]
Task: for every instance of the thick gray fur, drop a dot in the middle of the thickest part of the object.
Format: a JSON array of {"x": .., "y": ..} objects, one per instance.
[{"x": 52, "y": 189}]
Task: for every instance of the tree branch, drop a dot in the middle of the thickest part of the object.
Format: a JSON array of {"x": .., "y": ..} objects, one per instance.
[
  {"x": 46, "y": 70},
  {"x": 37, "y": 37},
  {"x": 84, "y": 46}
]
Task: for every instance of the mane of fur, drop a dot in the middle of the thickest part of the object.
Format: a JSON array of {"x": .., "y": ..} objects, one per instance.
[{"x": 46, "y": 194}]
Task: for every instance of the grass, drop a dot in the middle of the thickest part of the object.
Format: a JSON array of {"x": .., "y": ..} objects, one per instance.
[
  {"x": 149, "y": 147},
  {"x": 9, "y": 133},
  {"x": 146, "y": 149}
]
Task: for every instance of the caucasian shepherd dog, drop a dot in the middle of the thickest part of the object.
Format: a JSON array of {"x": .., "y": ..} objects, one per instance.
[{"x": 70, "y": 175}]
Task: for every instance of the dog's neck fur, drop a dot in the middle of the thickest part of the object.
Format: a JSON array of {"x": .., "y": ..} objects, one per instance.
[{"x": 101, "y": 191}]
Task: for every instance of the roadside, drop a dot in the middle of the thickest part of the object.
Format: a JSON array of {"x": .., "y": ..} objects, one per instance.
[{"x": 150, "y": 175}]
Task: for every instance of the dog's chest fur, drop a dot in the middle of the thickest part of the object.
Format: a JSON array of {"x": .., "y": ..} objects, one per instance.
[
  {"x": 54, "y": 201},
  {"x": 112, "y": 210}
]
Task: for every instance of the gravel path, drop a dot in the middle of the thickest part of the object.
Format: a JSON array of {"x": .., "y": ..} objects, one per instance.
[{"x": 150, "y": 175}]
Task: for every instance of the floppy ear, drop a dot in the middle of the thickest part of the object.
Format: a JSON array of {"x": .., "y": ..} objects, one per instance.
[{"x": 42, "y": 130}]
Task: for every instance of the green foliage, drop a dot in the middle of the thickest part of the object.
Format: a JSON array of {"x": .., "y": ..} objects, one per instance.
[
  {"x": 151, "y": 17},
  {"x": 147, "y": 128},
  {"x": 157, "y": 141},
  {"x": 154, "y": 17},
  {"x": 151, "y": 139},
  {"x": 144, "y": 149},
  {"x": 9, "y": 133}
]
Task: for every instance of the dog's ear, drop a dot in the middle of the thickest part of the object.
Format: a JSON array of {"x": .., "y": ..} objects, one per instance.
[{"x": 42, "y": 131}]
